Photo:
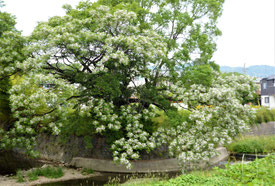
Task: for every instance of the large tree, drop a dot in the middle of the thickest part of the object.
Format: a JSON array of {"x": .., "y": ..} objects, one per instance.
[{"x": 92, "y": 56}]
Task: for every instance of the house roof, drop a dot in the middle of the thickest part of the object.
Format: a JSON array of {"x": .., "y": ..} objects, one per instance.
[{"x": 269, "y": 77}]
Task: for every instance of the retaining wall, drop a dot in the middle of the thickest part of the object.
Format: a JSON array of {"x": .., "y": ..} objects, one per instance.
[{"x": 145, "y": 166}]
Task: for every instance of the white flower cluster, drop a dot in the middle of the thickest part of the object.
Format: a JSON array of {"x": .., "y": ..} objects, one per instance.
[
  {"x": 32, "y": 107},
  {"x": 136, "y": 139},
  {"x": 102, "y": 114},
  {"x": 11, "y": 52},
  {"x": 220, "y": 118},
  {"x": 115, "y": 37}
]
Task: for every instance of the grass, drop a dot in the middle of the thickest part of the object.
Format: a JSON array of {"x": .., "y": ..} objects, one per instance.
[
  {"x": 264, "y": 115},
  {"x": 136, "y": 179},
  {"x": 20, "y": 176},
  {"x": 253, "y": 145},
  {"x": 258, "y": 172},
  {"x": 33, "y": 174},
  {"x": 87, "y": 171}
]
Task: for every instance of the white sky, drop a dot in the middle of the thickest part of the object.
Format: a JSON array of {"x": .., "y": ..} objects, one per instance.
[{"x": 247, "y": 26}]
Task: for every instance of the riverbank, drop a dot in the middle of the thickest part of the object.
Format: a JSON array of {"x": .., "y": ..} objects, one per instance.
[
  {"x": 69, "y": 174},
  {"x": 258, "y": 172}
]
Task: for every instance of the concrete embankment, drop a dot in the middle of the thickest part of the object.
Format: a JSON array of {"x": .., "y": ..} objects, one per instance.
[{"x": 145, "y": 166}]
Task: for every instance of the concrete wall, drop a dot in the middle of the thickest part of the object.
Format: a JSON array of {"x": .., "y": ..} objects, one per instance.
[{"x": 52, "y": 148}]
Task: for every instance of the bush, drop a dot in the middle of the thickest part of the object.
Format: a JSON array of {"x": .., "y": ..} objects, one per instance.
[
  {"x": 171, "y": 118},
  {"x": 253, "y": 145},
  {"x": 264, "y": 115}
]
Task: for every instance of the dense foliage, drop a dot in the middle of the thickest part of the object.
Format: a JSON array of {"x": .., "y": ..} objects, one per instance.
[
  {"x": 253, "y": 145},
  {"x": 11, "y": 52},
  {"x": 80, "y": 71}
]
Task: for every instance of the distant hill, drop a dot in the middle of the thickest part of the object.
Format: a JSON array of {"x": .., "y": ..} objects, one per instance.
[{"x": 260, "y": 71}]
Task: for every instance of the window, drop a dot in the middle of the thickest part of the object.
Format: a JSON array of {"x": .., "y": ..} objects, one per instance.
[
  {"x": 47, "y": 85},
  {"x": 266, "y": 99},
  {"x": 264, "y": 85}
]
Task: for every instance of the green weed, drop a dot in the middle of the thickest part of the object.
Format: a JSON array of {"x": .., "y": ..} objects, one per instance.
[
  {"x": 19, "y": 176},
  {"x": 87, "y": 171},
  {"x": 258, "y": 172},
  {"x": 33, "y": 174}
]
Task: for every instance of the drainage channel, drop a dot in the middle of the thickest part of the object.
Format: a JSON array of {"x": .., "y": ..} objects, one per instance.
[{"x": 110, "y": 178}]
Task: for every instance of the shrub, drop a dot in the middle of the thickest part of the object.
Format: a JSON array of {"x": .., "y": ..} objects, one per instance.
[
  {"x": 171, "y": 118},
  {"x": 253, "y": 144}
]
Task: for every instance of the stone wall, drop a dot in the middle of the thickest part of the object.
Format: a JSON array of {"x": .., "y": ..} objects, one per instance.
[
  {"x": 52, "y": 148},
  {"x": 263, "y": 129}
]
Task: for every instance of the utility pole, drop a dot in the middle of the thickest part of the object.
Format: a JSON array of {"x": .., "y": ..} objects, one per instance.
[{"x": 244, "y": 69}]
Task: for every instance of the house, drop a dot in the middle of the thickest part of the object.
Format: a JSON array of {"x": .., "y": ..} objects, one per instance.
[{"x": 268, "y": 91}]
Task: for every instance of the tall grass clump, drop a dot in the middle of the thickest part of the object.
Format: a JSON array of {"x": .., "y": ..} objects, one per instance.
[
  {"x": 33, "y": 174},
  {"x": 253, "y": 145},
  {"x": 264, "y": 115}
]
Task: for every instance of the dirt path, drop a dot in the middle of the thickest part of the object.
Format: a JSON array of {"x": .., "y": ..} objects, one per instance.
[{"x": 69, "y": 174}]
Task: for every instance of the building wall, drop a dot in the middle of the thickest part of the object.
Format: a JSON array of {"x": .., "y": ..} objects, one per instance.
[
  {"x": 269, "y": 89},
  {"x": 271, "y": 103}
]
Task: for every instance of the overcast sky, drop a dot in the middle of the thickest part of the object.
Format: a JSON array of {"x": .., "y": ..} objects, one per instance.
[{"x": 247, "y": 26}]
